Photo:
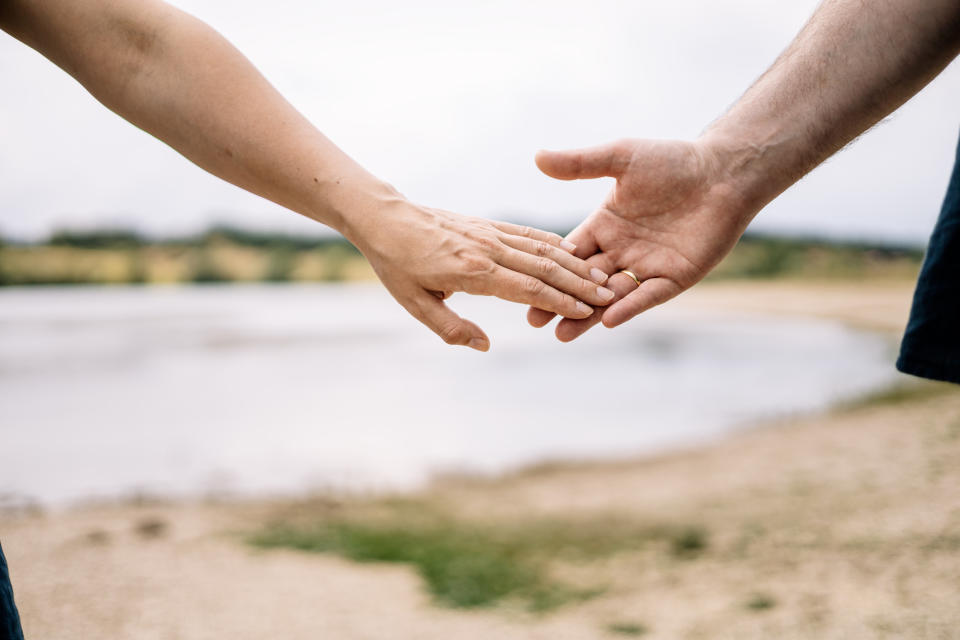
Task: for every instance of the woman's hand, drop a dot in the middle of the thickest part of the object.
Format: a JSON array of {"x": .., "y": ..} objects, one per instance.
[{"x": 424, "y": 255}]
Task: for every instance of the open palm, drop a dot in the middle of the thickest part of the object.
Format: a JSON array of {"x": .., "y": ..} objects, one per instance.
[{"x": 670, "y": 218}]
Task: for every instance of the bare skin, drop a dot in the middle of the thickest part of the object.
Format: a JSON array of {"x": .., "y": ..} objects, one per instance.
[
  {"x": 179, "y": 80},
  {"x": 679, "y": 207}
]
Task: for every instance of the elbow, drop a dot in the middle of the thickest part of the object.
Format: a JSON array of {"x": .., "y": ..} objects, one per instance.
[
  {"x": 125, "y": 47},
  {"x": 135, "y": 41}
]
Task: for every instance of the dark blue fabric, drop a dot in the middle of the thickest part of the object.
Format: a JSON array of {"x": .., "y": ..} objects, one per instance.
[
  {"x": 931, "y": 344},
  {"x": 9, "y": 618}
]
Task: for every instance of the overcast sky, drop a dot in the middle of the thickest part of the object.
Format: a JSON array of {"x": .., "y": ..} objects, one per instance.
[{"x": 449, "y": 103}]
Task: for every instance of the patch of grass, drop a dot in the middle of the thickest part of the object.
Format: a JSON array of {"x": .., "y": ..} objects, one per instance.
[
  {"x": 761, "y": 601},
  {"x": 949, "y": 542},
  {"x": 901, "y": 394},
  {"x": 688, "y": 542},
  {"x": 628, "y": 628},
  {"x": 953, "y": 431},
  {"x": 468, "y": 565},
  {"x": 151, "y": 528},
  {"x": 461, "y": 567}
]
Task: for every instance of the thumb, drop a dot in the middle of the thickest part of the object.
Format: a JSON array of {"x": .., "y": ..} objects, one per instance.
[
  {"x": 433, "y": 312},
  {"x": 606, "y": 160}
]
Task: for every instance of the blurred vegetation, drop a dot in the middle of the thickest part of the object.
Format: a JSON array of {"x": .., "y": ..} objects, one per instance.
[
  {"x": 761, "y": 601},
  {"x": 468, "y": 564},
  {"x": 901, "y": 393},
  {"x": 767, "y": 257},
  {"x": 219, "y": 255},
  {"x": 224, "y": 254},
  {"x": 628, "y": 628}
]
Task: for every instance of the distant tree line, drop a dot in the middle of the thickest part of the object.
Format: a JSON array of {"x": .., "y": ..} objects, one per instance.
[
  {"x": 230, "y": 254},
  {"x": 126, "y": 239}
]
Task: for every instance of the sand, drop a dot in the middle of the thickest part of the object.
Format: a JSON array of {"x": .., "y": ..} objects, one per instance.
[{"x": 845, "y": 525}]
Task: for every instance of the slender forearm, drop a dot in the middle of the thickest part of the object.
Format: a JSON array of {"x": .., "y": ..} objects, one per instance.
[
  {"x": 854, "y": 62},
  {"x": 178, "y": 79}
]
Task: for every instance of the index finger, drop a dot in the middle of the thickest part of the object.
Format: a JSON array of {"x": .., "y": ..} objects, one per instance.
[
  {"x": 535, "y": 234},
  {"x": 519, "y": 287}
]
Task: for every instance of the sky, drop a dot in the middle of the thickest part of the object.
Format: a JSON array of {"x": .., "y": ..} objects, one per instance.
[{"x": 449, "y": 102}]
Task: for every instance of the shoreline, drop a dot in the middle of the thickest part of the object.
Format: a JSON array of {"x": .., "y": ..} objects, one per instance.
[
  {"x": 878, "y": 307},
  {"x": 844, "y": 524}
]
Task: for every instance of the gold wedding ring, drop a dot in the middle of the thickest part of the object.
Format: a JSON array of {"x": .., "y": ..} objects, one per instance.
[{"x": 632, "y": 275}]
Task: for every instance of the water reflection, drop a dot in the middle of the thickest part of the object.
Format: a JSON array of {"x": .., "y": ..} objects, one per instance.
[{"x": 256, "y": 389}]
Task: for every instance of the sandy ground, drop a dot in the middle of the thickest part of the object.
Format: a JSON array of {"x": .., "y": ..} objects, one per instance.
[
  {"x": 849, "y": 524},
  {"x": 874, "y": 305}
]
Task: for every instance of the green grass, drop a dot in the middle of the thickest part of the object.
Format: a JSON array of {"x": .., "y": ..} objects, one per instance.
[
  {"x": 466, "y": 565},
  {"x": 761, "y": 601},
  {"x": 628, "y": 628},
  {"x": 462, "y": 568},
  {"x": 688, "y": 542},
  {"x": 901, "y": 393}
]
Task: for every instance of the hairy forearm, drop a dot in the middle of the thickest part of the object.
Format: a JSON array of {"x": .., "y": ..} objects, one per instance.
[
  {"x": 178, "y": 79},
  {"x": 854, "y": 63}
]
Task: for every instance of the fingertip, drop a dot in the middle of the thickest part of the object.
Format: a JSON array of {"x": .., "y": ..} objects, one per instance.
[
  {"x": 609, "y": 320},
  {"x": 584, "y": 241},
  {"x": 583, "y": 311},
  {"x": 546, "y": 161},
  {"x": 567, "y": 331},
  {"x": 479, "y": 344},
  {"x": 599, "y": 276},
  {"x": 538, "y": 317}
]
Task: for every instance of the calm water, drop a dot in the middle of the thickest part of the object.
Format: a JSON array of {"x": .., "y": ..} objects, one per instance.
[{"x": 267, "y": 389}]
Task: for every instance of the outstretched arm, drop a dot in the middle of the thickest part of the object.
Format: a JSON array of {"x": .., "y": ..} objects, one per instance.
[
  {"x": 855, "y": 62},
  {"x": 176, "y": 78},
  {"x": 679, "y": 207}
]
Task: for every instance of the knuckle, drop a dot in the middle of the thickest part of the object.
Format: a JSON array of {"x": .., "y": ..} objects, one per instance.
[
  {"x": 451, "y": 333},
  {"x": 546, "y": 267},
  {"x": 533, "y": 287},
  {"x": 472, "y": 264},
  {"x": 542, "y": 249},
  {"x": 526, "y": 232},
  {"x": 487, "y": 243}
]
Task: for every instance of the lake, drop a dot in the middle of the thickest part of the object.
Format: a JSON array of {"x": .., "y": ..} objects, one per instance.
[{"x": 281, "y": 389}]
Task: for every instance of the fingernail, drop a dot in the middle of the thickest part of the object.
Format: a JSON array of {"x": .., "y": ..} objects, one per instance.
[
  {"x": 569, "y": 246},
  {"x": 582, "y": 308},
  {"x": 598, "y": 276},
  {"x": 479, "y": 344},
  {"x": 605, "y": 294}
]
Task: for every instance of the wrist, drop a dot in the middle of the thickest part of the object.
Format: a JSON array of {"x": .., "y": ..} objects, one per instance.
[
  {"x": 746, "y": 169},
  {"x": 355, "y": 205}
]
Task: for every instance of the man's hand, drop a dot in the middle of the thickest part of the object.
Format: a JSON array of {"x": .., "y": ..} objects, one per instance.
[
  {"x": 679, "y": 207},
  {"x": 671, "y": 217}
]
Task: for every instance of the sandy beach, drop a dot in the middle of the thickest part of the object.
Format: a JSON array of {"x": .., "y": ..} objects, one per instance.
[{"x": 842, "y": 525}]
